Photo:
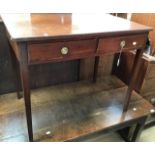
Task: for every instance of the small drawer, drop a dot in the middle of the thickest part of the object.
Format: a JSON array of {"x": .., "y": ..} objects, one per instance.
[
  {"x": 113, "y": 44},
  {"x": 56, "y": 51}
]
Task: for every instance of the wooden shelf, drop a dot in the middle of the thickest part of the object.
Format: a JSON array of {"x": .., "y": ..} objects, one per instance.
[{"x": 69, "y": 111}]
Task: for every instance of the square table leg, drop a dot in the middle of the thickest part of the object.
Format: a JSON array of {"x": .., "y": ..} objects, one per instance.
[
  {"x": 133, "y": 78},
  {"x": 15, "y": 67},
  {"x": 24, "y": 70}
]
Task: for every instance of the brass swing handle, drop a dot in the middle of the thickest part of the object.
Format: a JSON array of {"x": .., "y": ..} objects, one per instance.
[{"x": 122, "y": 45}]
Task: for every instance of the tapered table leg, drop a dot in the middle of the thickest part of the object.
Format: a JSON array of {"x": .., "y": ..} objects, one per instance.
[
  {"x": 134, "y": 75},
  {"x": 96, "y": 68},
  {"x": 24, "y": 70},
  {"x": 15, "y": 67}
]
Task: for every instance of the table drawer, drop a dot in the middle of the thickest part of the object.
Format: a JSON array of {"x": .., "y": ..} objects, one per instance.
[
  {"x": 55, "y": 51},
  {"x": 113, "y": 44}
]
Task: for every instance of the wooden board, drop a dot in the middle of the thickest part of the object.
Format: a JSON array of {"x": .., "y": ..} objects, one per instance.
[
  {"x": 69, "y": 111},
  {"x": 24, "y": 27}
]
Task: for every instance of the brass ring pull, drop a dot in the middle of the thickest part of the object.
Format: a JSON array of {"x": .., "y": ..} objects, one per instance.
[
  {"x": 64, "y": 50},
  {"x": 122, "y": 44}
]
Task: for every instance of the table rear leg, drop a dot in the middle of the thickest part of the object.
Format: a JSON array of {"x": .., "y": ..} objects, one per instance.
[
  {"x": 15, "y": 68},
  {"x": 97, "y": 59}
]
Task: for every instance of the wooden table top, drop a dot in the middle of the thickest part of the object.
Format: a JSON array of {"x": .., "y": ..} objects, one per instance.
[{"x": 24, "y": 27}]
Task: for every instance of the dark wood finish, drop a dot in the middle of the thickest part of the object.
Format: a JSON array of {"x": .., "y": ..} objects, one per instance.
[
  {"x": 135, "y": 69},
  {"x": 145, "y": 81},
  {"x": 105, "y": 44},
  {"x": 45, "y": 52},
  {"x": 16, "y": 49},
  {"x": 70, "y": 111},
  {"x": 104, "y": 67},
  {"x": 86, "y": 68},
  {"x": 24, "y": 27},
  {"x": 54, "y": 73},
  {"x": 24, "y": 70},
  {"x": 96, "y": 68},
  {"x": 105, "y": 63},
  {"x": 42, "y": 29},
  {"x": 145, "y": 84},
  {"x": 15, "y": 68}
]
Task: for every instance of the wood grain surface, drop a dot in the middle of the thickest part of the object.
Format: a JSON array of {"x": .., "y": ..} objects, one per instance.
[
  {"x": 43, "y": 29},
  {"x": 36, "y": 26},
  {"x": 69, "y": 111}
]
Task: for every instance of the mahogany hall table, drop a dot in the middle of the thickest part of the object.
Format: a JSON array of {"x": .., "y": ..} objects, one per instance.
[{"x": 45, "y": 38}]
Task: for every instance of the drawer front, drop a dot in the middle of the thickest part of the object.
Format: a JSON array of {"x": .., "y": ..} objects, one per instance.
[
  {"x": 113, "y": 44},
  {"x": 44, "y": 52}
]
